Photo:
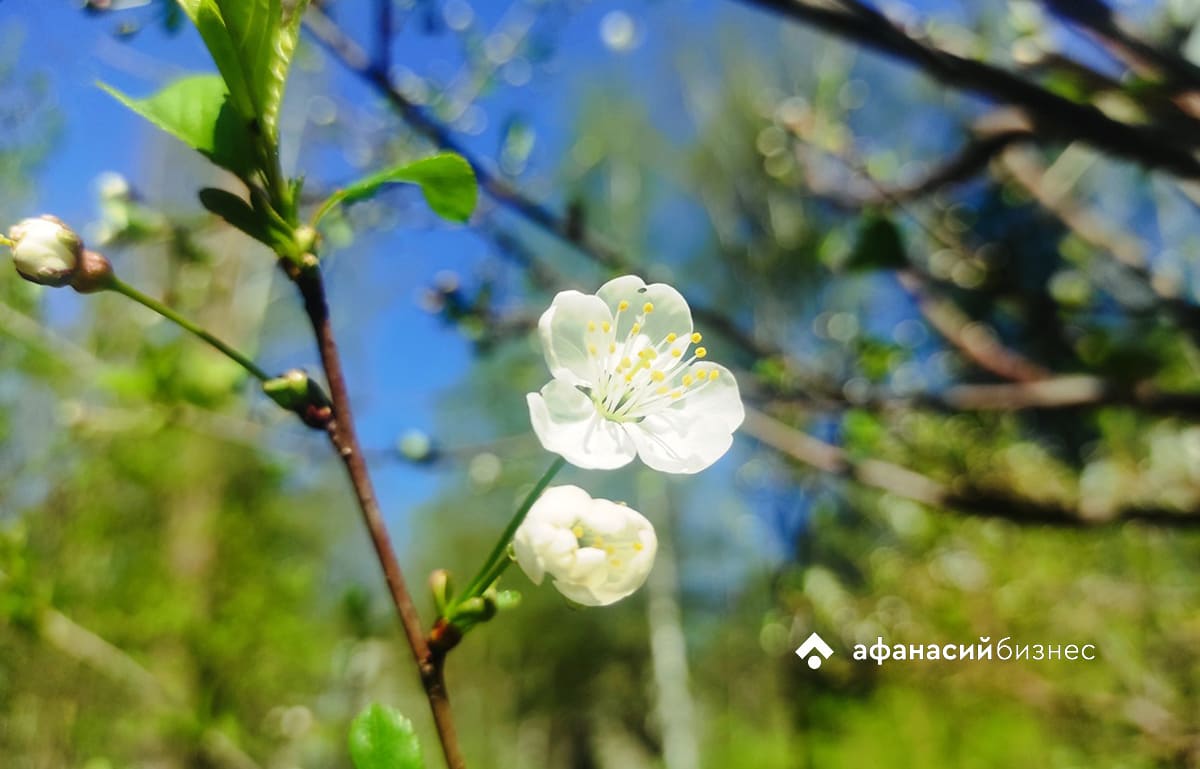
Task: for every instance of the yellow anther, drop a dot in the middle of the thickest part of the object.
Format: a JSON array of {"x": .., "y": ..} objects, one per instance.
[
  {"x": 626, "y": 363},
  {"x": 591, "y": 325},
  {"x": 662, "y": 390},
  {"x": 676, "y": 394},
  {"x": 702, "y": 375},
  {"x": 671, "y": 338},
  {"x": 616, "y": 563},
  {"x": 636, "y": 328},
  {"x": 622, "y": 306},
  {"x": 676, "y": 353},
  {"x": 610, "y": 550},
  {"x": 687, "y": 380},
  {"x": 577, "y": 530},
  {"x": 658, "y": 376},
  {"x": 591, "y": 349},
  {"x": 701, "y": 352},
  {"x": 644, "y": 353},
  {"x": 606, "y": 326},
  {"x": 696, "y": 338},
  {"x": 598, "y": 542},
  {"x": 713, "y": 375},
  {"x": 629, "y": 376},
  {"x": 612, "y": 347},
  {"x": 638, "y": 546},
  {"x": 648, "y": 307}
]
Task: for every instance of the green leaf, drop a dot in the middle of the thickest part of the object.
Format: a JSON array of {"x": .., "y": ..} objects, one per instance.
[
  {"x": 196, "y": 110},
  {"x": 252, "y": 43},
  {"x": 381, "y": 738},
  {"x": 879, "y": 245},
  {"x": 447, "y": 181},
  {"x": 237, "y": 212}
]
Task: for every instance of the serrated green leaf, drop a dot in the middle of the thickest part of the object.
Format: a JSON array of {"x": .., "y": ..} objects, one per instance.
[
  {"x": 196, "y": 110},
  {"x": 381, "y": 738},
  {"x": 446, "y": 180}
]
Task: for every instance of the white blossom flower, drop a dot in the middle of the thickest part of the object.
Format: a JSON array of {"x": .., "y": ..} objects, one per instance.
[
  {"x": 45, "y": 251},
  {"x": 597, "y": 551},
  {"x": 625, "y": 383}
]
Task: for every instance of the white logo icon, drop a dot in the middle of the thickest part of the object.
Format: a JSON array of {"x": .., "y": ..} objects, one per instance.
[{"x": 814, "y": 643}]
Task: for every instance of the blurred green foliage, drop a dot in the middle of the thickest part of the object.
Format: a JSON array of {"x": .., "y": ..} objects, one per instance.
[{"x": 175, "y": 593}]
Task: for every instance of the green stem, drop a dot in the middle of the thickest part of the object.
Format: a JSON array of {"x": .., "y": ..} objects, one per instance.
[
  {"x": 497, "y": 561},
  {"x": 153, "y": 304}
]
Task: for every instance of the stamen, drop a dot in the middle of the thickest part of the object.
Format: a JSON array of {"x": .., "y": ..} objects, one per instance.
[
  {"x": 638, "y": 546},
  {"x": 696, "y": 338},
  {"x": 591, "y": 325},
  {"x": 591, "y": 349},
  {"x": 636, "y": 328},
  {"x": 671, "y": 338},
  {"x": 606, "y": 326},
  {"x": 622, "y": 306},
  {"x": 701, "y": 352},
  {"x": 677, "y": 353},
  {"x": 687, "y": 380},
  {"x": 648, "y": 307},
  {"x": 657, "y": 376},
  {"x": 577, "y": 530}
]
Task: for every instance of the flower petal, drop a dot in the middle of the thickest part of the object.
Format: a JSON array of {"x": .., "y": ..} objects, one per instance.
[
  {"x": 673, "y": 442},
  {"x": 567, "y": 423},
  {"x": 563, "y": 331},
  {"x": 559, "y": 505},
  {"x": 715, "y": 399},
  {"x": 670, "y": 315}
]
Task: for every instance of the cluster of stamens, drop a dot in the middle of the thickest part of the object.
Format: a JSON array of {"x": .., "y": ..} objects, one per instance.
[
  {"x": 588, "y": 538},
  {"x": 638, "y": 376}
]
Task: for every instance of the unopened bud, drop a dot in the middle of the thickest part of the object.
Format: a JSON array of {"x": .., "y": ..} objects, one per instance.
[
  {"x": 296, "y": 391},
  {"x": 440, "y": 586},
  {"x": 46, "y": 251},
  {"x": 306, "y": 239},
  {"x": 290, "y": 390}
]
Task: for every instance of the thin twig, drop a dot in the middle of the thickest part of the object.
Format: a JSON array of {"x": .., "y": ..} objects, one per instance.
[
  {"x": 903, "y": 482},
  {"x": 344, "y": 439}
]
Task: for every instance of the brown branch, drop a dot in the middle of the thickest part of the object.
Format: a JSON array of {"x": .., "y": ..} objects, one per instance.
[
  {"x": 975, "y": 340},
  {"x": 344, "y": 440},
  {"x": 1142, "y": 57},
  {"x": 1077, "y": 391},
  {"x": 1054, "y": 117},
  {"x": 903, "y": 482},
  {"x": 1094, "y": 229},
  {"x": 970, "y": 161}
]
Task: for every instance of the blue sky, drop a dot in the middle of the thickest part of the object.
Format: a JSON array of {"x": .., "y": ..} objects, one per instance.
[{"x": 400, "y": 359}]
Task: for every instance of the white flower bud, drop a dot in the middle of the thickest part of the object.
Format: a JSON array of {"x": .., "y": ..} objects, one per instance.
[
  {"x": 597, "y": 551},
  {"x": 46, "y": 251}
]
